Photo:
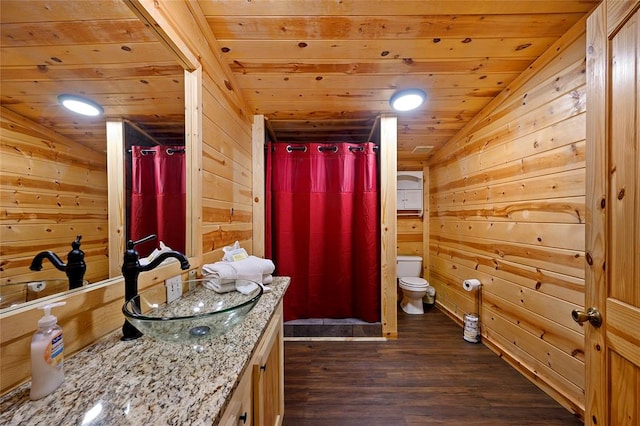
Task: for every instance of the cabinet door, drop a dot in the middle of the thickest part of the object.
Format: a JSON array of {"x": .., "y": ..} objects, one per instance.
[
  {"x": 240, "y": 409},
  {"x": 412, "y": 199},
  {"x": 400, "y": 199},
  {"x": 268, "y": 376}
]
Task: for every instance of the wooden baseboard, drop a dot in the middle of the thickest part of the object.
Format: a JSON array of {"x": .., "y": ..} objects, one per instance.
[{"x": 537, "y": 380}]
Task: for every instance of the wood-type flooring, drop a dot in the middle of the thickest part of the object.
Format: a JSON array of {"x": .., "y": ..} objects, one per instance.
[{"x": 428, "y": 376}]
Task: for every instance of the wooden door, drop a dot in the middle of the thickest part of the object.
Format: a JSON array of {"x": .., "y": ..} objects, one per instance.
[{"x": 612, "y": 350}]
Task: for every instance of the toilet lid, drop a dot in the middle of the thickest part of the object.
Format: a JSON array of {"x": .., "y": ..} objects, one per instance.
[{"x": 414, "y": 282}]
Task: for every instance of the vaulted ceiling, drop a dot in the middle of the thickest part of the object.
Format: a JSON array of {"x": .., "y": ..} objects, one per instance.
[{"x": 317, "y": 69}]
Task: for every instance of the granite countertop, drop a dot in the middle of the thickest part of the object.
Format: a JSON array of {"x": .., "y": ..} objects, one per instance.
[{"x": 147, "y": 381}]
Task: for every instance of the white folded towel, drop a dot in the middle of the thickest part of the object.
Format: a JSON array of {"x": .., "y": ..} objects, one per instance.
[
  {"x": 245, "y": 272},
  {"x": 225, "y": 286},
  {"x": 252, "y": 268},
  {"x": 220, "y": 286}
]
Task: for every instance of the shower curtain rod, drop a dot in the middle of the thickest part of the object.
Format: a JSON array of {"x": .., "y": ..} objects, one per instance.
[
  {"x": 169, "y": 151},
  {"x": 333, "y": 148}
]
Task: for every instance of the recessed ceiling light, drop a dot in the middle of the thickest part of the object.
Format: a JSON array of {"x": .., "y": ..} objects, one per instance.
[
  {"x": 80, "y": 105},
  {"x": 407, "y": 100}
]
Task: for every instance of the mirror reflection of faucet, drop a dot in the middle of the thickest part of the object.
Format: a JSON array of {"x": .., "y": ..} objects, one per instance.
[
  {"x": 132, "y": 267},
  {"x": 74, "y": 268}
]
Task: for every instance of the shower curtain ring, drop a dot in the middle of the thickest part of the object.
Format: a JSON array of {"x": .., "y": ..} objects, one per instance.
[
  {"x": 296, "y": 148},
  {"x": 333, "y": 148}
]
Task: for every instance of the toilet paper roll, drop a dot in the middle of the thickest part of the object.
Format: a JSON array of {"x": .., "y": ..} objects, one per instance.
[
  {"x": 471, "y": 284},
  {"x": 36, "y": 286}
]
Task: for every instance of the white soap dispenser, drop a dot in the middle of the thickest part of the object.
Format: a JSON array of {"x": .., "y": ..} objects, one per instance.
[{"x": 47, "y": 372}]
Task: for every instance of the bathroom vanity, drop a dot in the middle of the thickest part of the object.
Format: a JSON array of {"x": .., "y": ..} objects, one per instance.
[{"x": 236, "y": 378}]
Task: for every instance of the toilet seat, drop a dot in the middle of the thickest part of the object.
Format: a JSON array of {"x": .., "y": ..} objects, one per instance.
[
  {"x": 413, "y": 283},
  {"x": 413, "y": 290}
]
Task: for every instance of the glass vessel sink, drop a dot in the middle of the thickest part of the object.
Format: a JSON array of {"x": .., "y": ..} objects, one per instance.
[{"x": 198, "y": 314}]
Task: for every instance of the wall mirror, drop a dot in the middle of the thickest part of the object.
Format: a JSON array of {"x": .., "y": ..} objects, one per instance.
[{"x": 57, "y": 180}]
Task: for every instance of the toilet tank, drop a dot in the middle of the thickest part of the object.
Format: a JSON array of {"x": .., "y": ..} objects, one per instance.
[{"x": 409, "y": 266}]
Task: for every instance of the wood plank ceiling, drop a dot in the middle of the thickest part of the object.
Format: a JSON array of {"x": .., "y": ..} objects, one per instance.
[
  {"x": 97, "y": 49},
  {"x": 324, "y": 70},
  {"x": 317, "y": 69}
]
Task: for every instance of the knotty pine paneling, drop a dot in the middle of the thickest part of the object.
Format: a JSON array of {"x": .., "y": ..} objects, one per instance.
[
  {"x": 417, "y": 49},
  {"x": 226, "y": 140},
  {"x": 362, "y": 26},
  {"x": 226, "y": 178},
  {"x": 386, "y": 8},
  {"x": 410, "y": 236},
  {"x": 507, "y": 207},
  {"x": 225, "y": 216},
  {"x": 51, "y": 190}
]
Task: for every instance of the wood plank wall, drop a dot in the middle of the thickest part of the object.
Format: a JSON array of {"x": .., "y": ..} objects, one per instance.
[
  {"x": 227, "y": 179},
  {"x": 51, "y": 190},
  {"x": 507, "y": 201},
  {"x": 226, "y": 214}
]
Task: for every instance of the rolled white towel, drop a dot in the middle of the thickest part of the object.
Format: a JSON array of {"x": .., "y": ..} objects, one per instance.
[{"x": 267, "y": 279}]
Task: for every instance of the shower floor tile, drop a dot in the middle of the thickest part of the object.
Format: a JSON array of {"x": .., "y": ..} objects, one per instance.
[{"x": 331, "y": 327}]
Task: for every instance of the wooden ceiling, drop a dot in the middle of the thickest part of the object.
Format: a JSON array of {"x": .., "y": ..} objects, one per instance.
[
  {"x": 317, "y": 69},
  {"x": 97, "y": 49},
  {"x": 324, "y": 70}
]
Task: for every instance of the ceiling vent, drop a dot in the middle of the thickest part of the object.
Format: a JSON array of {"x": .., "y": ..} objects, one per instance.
[{"x": 422, "y": 149}]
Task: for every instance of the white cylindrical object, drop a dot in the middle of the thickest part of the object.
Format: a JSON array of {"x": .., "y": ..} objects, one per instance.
[
  {"x": 471, "y": 284},
  {"x": 471, "y": 331},
  {"x": 36, "y": 286}
]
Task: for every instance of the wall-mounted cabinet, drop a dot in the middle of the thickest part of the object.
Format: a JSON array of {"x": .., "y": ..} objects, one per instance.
[{"x": 410, "y": 194}]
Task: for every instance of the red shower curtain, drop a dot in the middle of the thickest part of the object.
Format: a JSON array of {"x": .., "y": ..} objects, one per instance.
[
  {"x": 323, "y": 218},
  {"x": 158, "y": 197}
]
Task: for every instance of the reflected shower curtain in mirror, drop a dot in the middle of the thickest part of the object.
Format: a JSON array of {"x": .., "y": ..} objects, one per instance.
[
  {"x": 158, "y": 196},
  {"x": 323, "y": 218}
]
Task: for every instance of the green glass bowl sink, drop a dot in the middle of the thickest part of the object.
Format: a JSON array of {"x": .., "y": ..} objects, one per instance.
[{"x": 198, "y": 314}]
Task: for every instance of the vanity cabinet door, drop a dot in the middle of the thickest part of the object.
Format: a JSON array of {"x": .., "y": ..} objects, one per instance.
[
  {"x": 268, "y": 375},
  {"x": 239, "y": 412}
]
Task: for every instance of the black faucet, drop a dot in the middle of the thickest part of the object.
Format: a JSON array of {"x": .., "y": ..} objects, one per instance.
[
  {"x": 131, "y": 268},
  {"x": 75, "y": 267}
]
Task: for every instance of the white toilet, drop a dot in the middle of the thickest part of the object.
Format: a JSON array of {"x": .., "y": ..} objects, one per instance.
[{"x": 413, "y": 287}]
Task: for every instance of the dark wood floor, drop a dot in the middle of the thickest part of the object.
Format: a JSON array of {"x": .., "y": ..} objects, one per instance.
[{"x": 429, "y": 375}]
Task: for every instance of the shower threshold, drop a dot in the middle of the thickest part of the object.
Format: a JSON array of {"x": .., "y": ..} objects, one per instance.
[{"x": 331, "y": 327}]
